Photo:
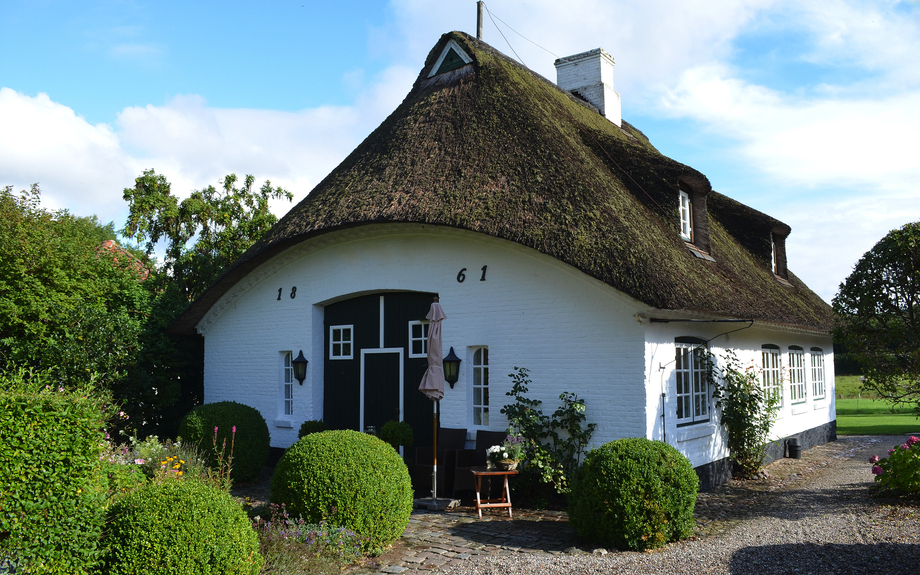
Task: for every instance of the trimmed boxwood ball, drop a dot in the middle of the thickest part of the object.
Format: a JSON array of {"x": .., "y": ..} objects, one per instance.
[
  {"x": 348, "y": 479},
  {"x": 250, "y": 446},
  {"x": 180, "y": 527},
  {"x": 634, "y": 494}
]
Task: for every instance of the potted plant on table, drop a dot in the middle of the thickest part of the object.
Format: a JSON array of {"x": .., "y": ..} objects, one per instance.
[{"x": 507, "y": 455}]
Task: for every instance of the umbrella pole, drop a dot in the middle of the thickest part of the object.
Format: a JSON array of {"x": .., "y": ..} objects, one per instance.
[{"x": 434, "y": 470}]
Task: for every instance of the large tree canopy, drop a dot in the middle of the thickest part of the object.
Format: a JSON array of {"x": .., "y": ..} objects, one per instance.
[
  {"x": 204, "y": 233},
  {"x": 66, "y": 303},
  {"x": 878, "y": 309}
]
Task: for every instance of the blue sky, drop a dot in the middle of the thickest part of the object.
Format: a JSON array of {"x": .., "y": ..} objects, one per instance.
[{"x": 806, "y": 111}]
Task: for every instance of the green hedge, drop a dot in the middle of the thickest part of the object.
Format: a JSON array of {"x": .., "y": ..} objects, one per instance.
[
  {"x": 52, "y": 493},
  {"x": 175, "y": 526},
  {"x": 634, "y": 494},
  {"x": 250, "y": 444},
  {"x": 348, "y": 479}
]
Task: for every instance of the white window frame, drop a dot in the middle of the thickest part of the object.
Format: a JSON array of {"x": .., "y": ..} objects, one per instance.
[
  {"x": 340, "y": 331},
  {"x": 798, "y": 388},
  {"x": 423, "y": 340},
  {"x": 287, "y": 384},
  {"x": 686, "y": 216},
  {"x": 691, "y": 383},
  {"x": 772, "y": 374},
  {"x": 479, "y": 386},
  {"x": 818, "y": 386}
]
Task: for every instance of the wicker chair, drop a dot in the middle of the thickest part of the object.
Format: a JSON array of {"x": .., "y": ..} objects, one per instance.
[
  {"x": 450, "y": 440},
  {"x": 463, "y": 479}
]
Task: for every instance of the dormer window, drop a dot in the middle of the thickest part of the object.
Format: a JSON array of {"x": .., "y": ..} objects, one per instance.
[
  {"x": 778, "y": 252},
  {"x": 693, "y": 219},
  {"x": 686, "y": 217}
]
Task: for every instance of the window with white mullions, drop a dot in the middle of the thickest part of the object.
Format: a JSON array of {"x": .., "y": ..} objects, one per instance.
[
  {"x": 341, "y": 342},
  {"x": 480, "y": 387},
  {"x": 686, "y": 221},
  {"x": 772, "y": 373},
  {"x": 287, "y": 384},
  {"x": 797, "y": 387},
  {"x": 817, "y": 372},
  {"x": 693, "y": 396},
  {"x": 418, "y": 338}
]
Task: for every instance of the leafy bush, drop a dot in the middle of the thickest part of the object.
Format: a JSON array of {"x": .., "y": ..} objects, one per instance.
[
  {"x": 899, "y": 473},
  {"x": 397, "y": 433},
  {"x": 51, "y": 492},
  {"x": 634, "y": 494},
  {"x": 748, "y": 413},
  {"x": 121, "y": 478},
  {"x": 229, "y": 428},
  {"x": 177, "y": 526},
  {"x": 553, "y": 446},
  {"x": 347, "y": 479},
  {"x": 311, "y": 426}
]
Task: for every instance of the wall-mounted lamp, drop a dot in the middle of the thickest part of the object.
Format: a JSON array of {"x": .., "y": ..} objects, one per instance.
[
  {"x": 300, "y": 367},
  {"x": 451, "y": 368}
]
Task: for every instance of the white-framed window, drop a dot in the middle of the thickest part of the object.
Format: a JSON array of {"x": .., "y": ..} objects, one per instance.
[
  {"x": 797, "y": 386},
  {"x": 686, "y": 218},
  {"x": 341, "y": 342},
  {"x": 817, "y": 373},
  {"x": 418, "y": 338},
  {"x": 692, "y": 380},
  {"x": 287, "y": 383},
  {"x": 480, "y": 387},
  {"x": 772, "y": 372}
]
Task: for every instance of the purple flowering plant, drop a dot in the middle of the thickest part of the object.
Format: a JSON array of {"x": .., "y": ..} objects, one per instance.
[{"x": 899, "y": 473}]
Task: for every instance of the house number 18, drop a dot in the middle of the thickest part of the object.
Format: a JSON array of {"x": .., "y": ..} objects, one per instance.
[
  {"x": 293, "y": 293},
  {"x": 461, "y": 276}
]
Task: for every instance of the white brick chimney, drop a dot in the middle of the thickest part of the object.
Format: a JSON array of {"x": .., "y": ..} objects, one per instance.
[{"x": 590, "y": 75}]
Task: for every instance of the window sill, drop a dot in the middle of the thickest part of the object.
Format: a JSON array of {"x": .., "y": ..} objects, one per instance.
[
  {"x": 695, "y": 432},
  {"x": 286, "y": 423},
  {"x": 822, "y": 405},
  {"x": 799, "y": 409},
  {"x": 697, "y": 251}
]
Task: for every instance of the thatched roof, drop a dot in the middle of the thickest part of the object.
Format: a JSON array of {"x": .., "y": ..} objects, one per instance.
[{"x": 496, "y": 149}]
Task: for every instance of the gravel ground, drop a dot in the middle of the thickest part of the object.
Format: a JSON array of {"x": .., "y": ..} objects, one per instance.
[{"x": 817, "y": 519}]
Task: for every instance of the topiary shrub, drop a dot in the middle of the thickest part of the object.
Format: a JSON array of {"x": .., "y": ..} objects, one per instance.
[
  {"x": 52, "y": 488},
  {"x": 397, "y": 433},
  {"x": 180, "y": 527},
  {"x": 634, "y": 494},
  {"x": 311, "y": 426},
  {"x": 250, "y": 442},
  {"x": 349, "y": 479}
]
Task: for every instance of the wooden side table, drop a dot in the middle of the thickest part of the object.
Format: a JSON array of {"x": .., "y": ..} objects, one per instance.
[{"x": 504, "y": 500}]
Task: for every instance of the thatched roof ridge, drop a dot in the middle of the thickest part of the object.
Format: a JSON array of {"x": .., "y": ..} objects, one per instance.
[{"x": 496, "y": 149}]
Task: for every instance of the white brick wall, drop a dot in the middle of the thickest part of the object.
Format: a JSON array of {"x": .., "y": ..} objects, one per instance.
[{"x": 572, "y": 332}]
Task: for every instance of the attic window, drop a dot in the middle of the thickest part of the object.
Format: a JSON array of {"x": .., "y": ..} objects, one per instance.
[
  {"x": 693, "y": 217},
  {"x": 778, "y": 254},
  {"x": 452, "y": 58}
]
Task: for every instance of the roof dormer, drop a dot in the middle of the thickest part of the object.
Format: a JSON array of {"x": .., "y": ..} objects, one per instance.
[{"x": 692, "y": 212}]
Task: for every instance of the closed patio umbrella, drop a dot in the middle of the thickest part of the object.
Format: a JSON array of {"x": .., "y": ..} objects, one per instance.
[{"x": 433, "y": 382}]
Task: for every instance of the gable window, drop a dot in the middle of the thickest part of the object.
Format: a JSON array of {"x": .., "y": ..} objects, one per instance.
[
  {"x": 686, "y": 217},
  {"x": 797, "y": 388},
  {"x": 772, "y": 372},
  {"x": 817, "y": 372},
  {"x": 418, "y": 338},
  {"x": 480, "y": 386},
  {"x": 340, "y": 342},
  {"x": 692, "y": 381},
  {"x": 287, "y": 383}
]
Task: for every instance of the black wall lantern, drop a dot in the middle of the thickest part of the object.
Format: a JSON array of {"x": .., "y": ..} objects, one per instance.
[
  {"x": 451, "y": 368},
  {"x": 300, "y": 367}
]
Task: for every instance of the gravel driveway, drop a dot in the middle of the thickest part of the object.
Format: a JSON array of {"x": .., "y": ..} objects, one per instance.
[{"x": 810, "y": 516}]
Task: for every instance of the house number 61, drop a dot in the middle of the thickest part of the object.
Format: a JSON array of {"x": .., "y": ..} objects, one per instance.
[{"x": 462, "y": 275}]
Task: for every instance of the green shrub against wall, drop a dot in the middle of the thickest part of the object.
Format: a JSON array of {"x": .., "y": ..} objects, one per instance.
[
  {"x": 634, "y": 494},
  {"x": 250, "y": 442},
  {"x": 51, "y": 489},
  {"x": 180, "y": 526},
  {"x": 348, "y": 479}
]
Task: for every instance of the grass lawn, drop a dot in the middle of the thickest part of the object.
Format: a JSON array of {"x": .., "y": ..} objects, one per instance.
[{"x": 874, "y": 417}]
